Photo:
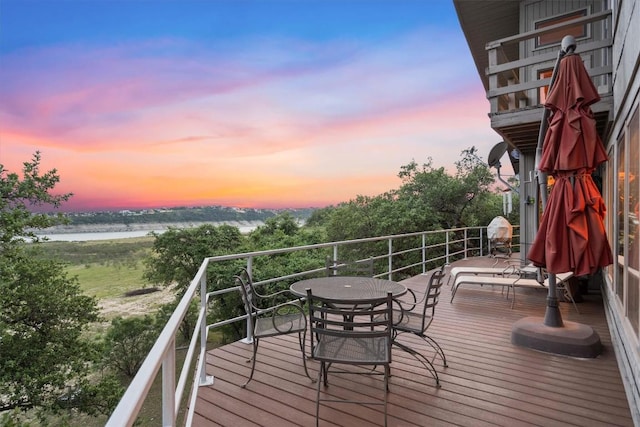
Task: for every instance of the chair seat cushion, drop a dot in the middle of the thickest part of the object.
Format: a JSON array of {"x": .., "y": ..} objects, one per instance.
[{"x": 361, "y": 350}]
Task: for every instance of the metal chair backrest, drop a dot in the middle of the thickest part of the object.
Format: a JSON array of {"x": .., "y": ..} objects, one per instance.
[
  {"x": 247, "y": 291},
  {"x": 432, "y": 296},
  {"x": 333, "y": 319},
  {"x": 337, "y": 267}
]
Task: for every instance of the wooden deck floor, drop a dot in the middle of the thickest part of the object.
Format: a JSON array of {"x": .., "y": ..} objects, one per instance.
[{"x": 489, "y": 381}]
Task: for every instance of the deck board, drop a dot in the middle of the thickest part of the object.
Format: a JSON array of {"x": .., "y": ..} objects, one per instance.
[{"x": 489, "y": 381}]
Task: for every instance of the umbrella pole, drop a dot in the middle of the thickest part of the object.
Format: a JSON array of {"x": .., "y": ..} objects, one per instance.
[{"x": 552, "y": 316}]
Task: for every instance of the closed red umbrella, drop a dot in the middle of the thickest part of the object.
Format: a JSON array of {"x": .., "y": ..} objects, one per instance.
[
  {"x": 571, "y": 142},
  {"x": 571, "y": 236}
]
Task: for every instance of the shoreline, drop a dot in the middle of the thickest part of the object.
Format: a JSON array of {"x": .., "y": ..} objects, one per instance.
[{"x": 151, "y": 226}]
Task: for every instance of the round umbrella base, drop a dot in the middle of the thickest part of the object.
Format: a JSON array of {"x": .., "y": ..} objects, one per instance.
[{"x": 573, "y": 339}]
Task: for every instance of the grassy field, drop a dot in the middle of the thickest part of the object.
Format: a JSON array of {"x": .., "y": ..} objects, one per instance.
[
  {"x": 108, "y": 281},
  {"x": 107, "y": 270}
]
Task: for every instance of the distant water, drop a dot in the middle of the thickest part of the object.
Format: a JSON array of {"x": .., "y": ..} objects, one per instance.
[{"x": 109, "y": 235}]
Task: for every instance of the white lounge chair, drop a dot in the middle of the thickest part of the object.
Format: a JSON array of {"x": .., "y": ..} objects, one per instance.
[
  {"x": 482, "y": 271},
  {"x": 510, "y": 282}
]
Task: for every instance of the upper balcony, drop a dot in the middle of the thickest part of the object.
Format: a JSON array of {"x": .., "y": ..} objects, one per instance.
[{"x": 515, "y": 64}]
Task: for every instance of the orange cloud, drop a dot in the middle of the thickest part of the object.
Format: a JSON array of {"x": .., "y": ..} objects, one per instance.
[{"x": 273, "y": 125}]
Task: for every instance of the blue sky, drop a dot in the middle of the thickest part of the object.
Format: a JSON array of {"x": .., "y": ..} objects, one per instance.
[{"x": 297, "y": 103}]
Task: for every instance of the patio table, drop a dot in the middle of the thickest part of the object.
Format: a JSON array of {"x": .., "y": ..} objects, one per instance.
[{"x": 348, "y": 287}]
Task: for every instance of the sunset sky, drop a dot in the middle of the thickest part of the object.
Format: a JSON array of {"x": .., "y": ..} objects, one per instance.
[{"x": 291, "y": 103}]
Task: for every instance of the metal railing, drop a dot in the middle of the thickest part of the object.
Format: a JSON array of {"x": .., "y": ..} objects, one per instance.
[{"x": 450, "y": 245}]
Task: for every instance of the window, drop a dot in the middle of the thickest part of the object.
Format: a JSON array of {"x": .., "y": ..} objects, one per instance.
[
  {"x": 609, "y": 192},
  {"x": 544, "y": 90},
  {"x": 627, "y": 226},
  {"x": 620, "y": 209},
  {"x": 576, "y": 30},
  {"x": 633, "y": 237}
]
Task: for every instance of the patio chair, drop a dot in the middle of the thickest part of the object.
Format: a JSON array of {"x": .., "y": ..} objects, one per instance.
[
  {"x": 415, "y": 317},
  {"x": 350, "y": 336},
  {"x": 277, "y": 319},
  {"x": 362, "y": 268},
  {"x": 337, "y": 267}
]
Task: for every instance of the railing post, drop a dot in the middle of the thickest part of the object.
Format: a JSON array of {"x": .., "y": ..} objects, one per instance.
[
  {"x": 424, "y": 253},
  {"x": 249, "y": 335},
  {"x": 169, "y": 386},
  {"x": 493, "y": 78},
  {"x": 465, "y": 243},
  {"x": 481, "y": 242},
  {"x": 446, "y": 239},
  {"x": 390, "y": 256},
  {"x": 204, "y": 333}
]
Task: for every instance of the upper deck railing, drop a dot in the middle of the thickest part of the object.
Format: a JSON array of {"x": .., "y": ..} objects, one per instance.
[
  {"x": 434, "y": 247},
  {"x": 515, "y": 83}
]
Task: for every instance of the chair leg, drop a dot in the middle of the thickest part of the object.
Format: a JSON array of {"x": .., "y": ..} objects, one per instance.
[
  {"x": 437, "y": 348},
  {"x": 454, "y": 289},
  {"x": 574, "y": 303},
  {"x": 253, "y": 361},
  {"x": 302, "y": 336},
  {"x": 422, "y": 359},
  {"x": 387, "y": 373},
  {"x": 513, "y": 299},
  {"x": 321, "y": 374},
  {"x": 325, "y": 371},
  {"x": 568, "y": 294}
]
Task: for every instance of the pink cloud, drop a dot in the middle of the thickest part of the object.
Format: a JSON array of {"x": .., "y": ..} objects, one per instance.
[{"x": 275, "y": 122}]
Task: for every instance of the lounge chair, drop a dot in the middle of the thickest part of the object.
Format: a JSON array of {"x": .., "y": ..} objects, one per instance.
[
  {"x": 484, "y": 271},
  {"x": 510, "y": 282}
]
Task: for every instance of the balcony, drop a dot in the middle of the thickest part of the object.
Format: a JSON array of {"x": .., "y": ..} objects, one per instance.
[
  {"x": 515, "y": 90},
  {"x": 515, "y": 68},
  {"x": 489, "y": 381}
]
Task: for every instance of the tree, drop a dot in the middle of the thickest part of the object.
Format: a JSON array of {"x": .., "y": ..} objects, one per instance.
[
  {"x": 179, "y": 253},
  {"x": 428, "y": 199},
  {"x": 44, "y": 355},
  {"x": 18, "y": 198},
  {"x": 127, "y": 343},
  {"x": 446, "y": 198},
  {"x": 188, "y": 322}
]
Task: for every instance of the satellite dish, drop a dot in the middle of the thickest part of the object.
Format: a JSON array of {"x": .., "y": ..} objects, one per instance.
[{"x": 496, "y": 153}]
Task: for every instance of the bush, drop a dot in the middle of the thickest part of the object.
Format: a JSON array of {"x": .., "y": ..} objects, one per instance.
[{"x": 127, "y": 343}]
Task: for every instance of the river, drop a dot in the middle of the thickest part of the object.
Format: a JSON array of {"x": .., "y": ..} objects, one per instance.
[{"x": 84, "y": 236}]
